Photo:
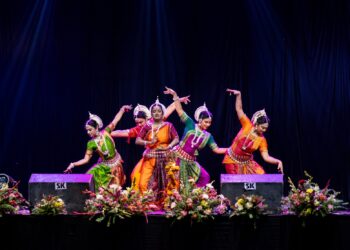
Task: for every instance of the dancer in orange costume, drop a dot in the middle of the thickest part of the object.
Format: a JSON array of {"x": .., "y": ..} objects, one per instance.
[
  {"x": 158, "y": 137},
  {"x": 239, "y": 157}
]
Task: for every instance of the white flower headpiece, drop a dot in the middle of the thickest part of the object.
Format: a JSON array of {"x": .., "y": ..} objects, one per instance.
[
  {"x": 142, "y": 108},
  {"x": 158, "y": 104},
  {"x": 199, "y": 110},
  {"x": 97, "y": 119},
  {"x": 257, "y": 115}
]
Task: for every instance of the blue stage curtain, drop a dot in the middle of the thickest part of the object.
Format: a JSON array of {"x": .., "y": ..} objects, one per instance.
[{"x": 61, "y": 59}]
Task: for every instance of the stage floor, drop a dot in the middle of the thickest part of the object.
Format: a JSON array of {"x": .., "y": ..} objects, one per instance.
[{"x": 272, "y": 232}]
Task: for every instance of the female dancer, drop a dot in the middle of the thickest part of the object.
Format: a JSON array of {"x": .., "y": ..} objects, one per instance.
[
  {"x": 108, "y": 170},
  {"x": 158, "y": 137},
  {"x": 141, "y": 116},
  {"x": 195, "y": 138},
  {"x": 239, "y": 157}
]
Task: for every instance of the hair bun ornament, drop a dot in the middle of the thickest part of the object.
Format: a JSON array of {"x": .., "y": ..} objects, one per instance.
[
  {"x": 158, "y": 104},
  {"x": 97, "y": 119},
  {"x": 142, "y": 108},
  {"x": 199, "y": 110},
  {"x": 257, "y": 115}
]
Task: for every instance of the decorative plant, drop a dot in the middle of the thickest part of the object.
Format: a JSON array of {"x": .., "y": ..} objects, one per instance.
[
  {"x": 199, "y": 203},
  {"x": 113, "y": 202},
  {"x": 49, "y": 205},
  {"x": 307, "y": 199},
  {"x": 11, "y": 200},
  {"x": 251, "y": 206}
]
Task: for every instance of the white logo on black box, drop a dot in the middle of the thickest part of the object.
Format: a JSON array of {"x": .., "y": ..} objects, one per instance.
[
  {"x": 60, "y": 185},
  {"x": 250, "y": 186}
]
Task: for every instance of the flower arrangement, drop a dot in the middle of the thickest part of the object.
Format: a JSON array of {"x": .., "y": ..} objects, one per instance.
[
  {"x": 113, "y": 202},
  {"x": 139, "y": 203},
  {"x": 50, "y": 205},
  {"x": 308, "y": 199},
  {"x": 251, "y": 206},
  {"x": 11, "y": 200},
  {"x": 197, "y": 203},
  {"x": 106, "y": 204}
]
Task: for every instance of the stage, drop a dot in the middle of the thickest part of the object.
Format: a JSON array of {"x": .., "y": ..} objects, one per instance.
[
  {"x": 78, "y": 232},
  {"x": 286, "y": 61}
]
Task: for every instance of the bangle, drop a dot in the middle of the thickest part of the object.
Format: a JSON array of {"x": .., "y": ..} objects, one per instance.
[
  {"x": 175, "y": 98},
  {"x": 72, "y": 164}
]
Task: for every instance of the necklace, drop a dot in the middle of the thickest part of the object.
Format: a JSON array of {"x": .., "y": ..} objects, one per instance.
[
  {"x": 100, "y": 141},
  {"x": 155, "y": 133},
  {"x": 245, "y": 144},
  {"x": 196, "y": 137}
]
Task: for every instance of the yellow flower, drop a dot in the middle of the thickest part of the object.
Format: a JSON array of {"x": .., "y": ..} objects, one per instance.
[
  {"x": 58, "y": 204},
  {"x": 240, "y": 201},
  {"x": 309, "y": 191},
  {"x": 204, "y": 203}
]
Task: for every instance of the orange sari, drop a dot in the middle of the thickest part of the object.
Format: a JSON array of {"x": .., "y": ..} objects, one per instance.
[
  {"x": 149, "y": 172},
  {"x": 239, "y": 157}
]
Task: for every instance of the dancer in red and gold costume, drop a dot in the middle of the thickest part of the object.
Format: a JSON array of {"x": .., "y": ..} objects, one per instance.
[
  {"x": 158, "y": 137},
  {"x": 239, "y": 157}
]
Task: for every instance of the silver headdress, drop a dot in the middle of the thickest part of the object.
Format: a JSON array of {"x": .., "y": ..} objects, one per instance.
[
  {"x": 258, "y": 114},
  {"x": 142, "y": 108},
  {"x": 199, "y": 110},
  {"x": 158, "y": 104},
  {"x": 97, "y": 119}
]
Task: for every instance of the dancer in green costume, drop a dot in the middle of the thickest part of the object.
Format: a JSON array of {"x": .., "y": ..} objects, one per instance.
[{"x": 108, "y": 170}]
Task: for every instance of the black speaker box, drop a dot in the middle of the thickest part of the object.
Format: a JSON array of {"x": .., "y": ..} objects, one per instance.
[
  {"x": 270, "y": 186},
  {"x": 69, "y": 187}
]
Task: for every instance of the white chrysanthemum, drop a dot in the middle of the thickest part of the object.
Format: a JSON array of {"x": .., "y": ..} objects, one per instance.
[
  {"x": 205, "y": 196},
  {"x": 115, "y": 187},
  {"x": 249, "y": 205}
]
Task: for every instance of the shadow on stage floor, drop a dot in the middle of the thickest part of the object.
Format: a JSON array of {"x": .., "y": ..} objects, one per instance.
[{"x": 78, "y": 232}]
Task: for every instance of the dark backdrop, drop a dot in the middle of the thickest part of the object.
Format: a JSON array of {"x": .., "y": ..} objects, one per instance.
[{"x": 61, "y": 59}]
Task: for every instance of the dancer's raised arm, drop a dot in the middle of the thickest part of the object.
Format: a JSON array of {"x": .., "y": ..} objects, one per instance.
[
  {"x": 170, "y": 109},
  {"x": 119, "y": 115},
  {"x": 238, "y": 104},
  {"x": 176, "y": 99}
]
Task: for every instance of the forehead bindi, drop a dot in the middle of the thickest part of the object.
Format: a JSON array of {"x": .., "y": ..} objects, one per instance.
[{"x": 156, "y": 109}]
